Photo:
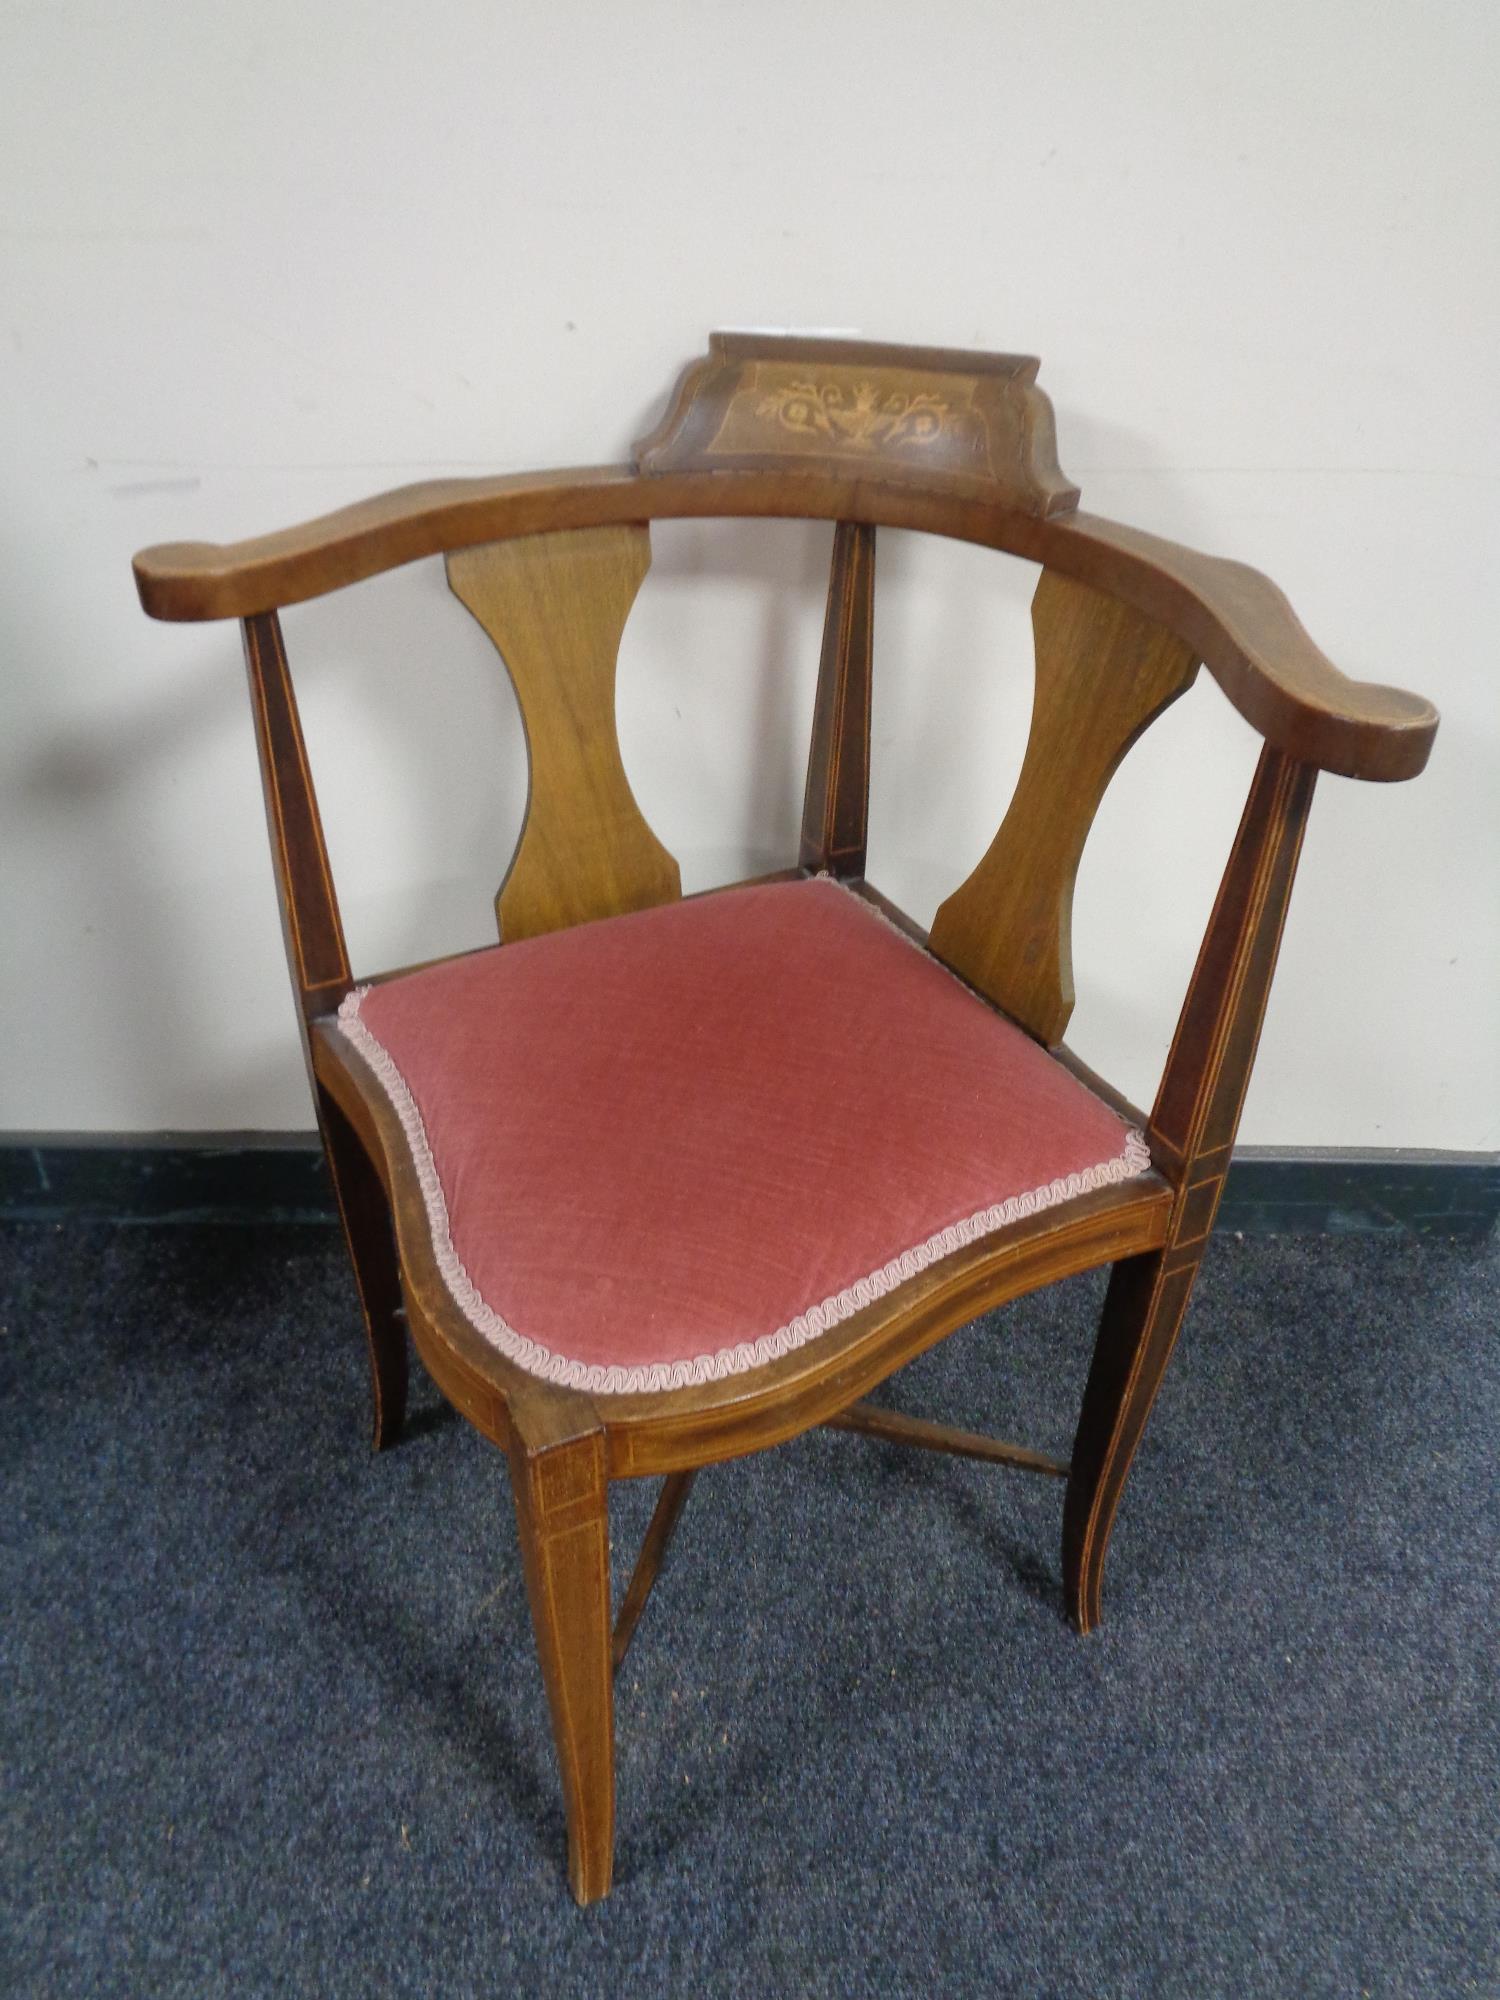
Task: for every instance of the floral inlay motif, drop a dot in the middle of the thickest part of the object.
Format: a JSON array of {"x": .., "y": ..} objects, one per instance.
[{"x": 864, "y": 418}]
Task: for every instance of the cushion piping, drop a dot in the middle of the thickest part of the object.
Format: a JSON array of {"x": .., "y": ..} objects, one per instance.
[{"x": 598, "y": 1379}]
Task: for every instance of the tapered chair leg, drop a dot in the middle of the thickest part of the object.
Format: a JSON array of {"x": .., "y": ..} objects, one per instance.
[
  {"x": 366, "y": 1218},
  {"x": 562, "y": 1512},
  {"x": 1143, "y": 1310}
]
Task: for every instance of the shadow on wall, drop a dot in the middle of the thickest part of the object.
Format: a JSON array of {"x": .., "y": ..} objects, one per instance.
[{"x": 98, "y": 813}]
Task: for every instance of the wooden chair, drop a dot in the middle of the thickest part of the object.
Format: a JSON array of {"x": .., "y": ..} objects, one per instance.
[{"x": 547, "y": 1122}]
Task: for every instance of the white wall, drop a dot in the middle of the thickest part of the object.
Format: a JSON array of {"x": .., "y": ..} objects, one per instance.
[{"x": 262, "y": 258}]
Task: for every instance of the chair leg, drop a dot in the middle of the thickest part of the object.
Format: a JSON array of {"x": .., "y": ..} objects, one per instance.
[
  {"x": 1143, "y": 1310},
  {"x": 377, "y": 1274},
  {"x": 562, "y": 1511}
]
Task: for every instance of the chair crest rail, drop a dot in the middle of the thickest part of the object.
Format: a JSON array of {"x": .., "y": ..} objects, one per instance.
[
  {"x": 941, "y": 418},
  {"x": 1237, "y": 621}
]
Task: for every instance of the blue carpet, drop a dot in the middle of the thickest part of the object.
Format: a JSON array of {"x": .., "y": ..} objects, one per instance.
[{"x": 272, "y": 1723}]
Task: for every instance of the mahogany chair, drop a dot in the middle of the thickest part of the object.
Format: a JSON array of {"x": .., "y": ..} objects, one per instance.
[{"x": 656, "y": 1182}]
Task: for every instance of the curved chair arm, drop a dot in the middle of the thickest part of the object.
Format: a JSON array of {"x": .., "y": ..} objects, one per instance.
[
  {"x": 1248, "y": 636},
  {"x": 1235, "y": 619},
  {"x": 188, "y": 581}
]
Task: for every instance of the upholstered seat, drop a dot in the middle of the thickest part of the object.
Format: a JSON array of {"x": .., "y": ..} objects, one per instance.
[{"x": 672, "y": 1146}]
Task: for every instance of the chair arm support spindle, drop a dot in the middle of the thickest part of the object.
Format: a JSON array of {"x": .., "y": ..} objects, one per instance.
[
  {"x": 311, "y": 924},
  {"x": 1191, "y": 1134}
]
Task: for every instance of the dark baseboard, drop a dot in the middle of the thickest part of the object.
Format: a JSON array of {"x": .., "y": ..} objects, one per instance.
[
  {"x": 1311, "y": 1191},
  {"x": 232, "y": 1177},
  {"x": 261, "y": 1177}
]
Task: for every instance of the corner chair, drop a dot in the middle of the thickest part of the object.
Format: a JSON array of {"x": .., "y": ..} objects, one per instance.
[{"x": 659, "y": 1181}]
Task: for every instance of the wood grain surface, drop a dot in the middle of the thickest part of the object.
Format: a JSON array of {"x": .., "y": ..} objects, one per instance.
[{"x": 555, "y": 607}]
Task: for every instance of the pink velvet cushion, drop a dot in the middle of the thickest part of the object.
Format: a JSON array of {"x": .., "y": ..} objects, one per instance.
[{"x": 672, "y": 1146}]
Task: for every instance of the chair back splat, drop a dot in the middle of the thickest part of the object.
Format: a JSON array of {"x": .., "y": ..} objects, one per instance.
[
  {"x": 555, "y": 606},
  {"x": 1103, "y": 673},
  {"x": 656, "y": 1182}
]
